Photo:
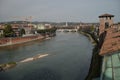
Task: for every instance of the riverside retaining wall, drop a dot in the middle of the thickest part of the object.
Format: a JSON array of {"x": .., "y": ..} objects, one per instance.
[{"x": 17, "y": 40}]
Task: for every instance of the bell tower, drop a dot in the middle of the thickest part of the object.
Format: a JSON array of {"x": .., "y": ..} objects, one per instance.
[{"x": 106, "y": 20}]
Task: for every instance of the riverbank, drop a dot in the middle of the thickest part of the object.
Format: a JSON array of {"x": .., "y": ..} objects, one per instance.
[
  {"x": 96, "y": 61},
  {"x": 9, "y": 65},
  {"x": 19, "y": 40},
  {"x": 95, "y": 66},
  {"x": 89, "y": 36}
]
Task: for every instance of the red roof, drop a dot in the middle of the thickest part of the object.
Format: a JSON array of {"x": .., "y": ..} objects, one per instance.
[{"x": 111, "y": 42}]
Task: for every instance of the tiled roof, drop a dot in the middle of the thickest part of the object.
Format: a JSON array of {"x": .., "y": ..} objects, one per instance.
[
  {"x": 106, "y": 15},
  {"x": 111, "y": 42}
]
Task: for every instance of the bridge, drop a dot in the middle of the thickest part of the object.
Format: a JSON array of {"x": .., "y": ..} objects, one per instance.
[{"x": 67, "y": 29}]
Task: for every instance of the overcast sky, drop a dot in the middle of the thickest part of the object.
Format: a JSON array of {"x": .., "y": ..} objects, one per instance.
[{"x": 59, "y": 10}]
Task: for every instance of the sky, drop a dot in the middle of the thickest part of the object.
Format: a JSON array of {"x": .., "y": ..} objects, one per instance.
[{"x": 58, "y": 10}]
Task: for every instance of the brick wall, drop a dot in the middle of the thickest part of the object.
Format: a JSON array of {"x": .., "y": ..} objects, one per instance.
[{"x": 7, "y": 41}]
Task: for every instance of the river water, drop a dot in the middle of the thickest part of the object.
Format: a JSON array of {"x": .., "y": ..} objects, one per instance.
[{"x": 69, "y": 57}]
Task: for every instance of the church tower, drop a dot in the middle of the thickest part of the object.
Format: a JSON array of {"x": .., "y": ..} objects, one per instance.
[
  {"x": 66, "y": 25},
  {"x": 106, "y": 20}
]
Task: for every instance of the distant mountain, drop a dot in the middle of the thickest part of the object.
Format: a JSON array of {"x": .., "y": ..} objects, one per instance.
[{"x": 13, "y": 22}]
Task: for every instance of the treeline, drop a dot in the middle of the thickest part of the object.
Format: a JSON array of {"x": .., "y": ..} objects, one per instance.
[
  {"x": 9, "y": 32},
  {"x": 47, "y": 31},
  {"x": 92, "y": 31}
]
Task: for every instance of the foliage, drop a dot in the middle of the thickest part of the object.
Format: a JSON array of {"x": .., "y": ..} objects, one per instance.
[
  {"x": 8, "y": 31},
  {"x": 47, "y": 31},
  {"x": 1, "y": 35},
  {"x": 22, "y": 31},
  {"x": 92, "y": 28},
  {"x": 87, "y": 29}
]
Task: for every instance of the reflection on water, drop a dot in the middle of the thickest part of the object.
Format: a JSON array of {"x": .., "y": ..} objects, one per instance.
[
  {"x": 17, "y": 46},
  {"x": 69, "y": 59},
  {"x": 42, "y": 74}
]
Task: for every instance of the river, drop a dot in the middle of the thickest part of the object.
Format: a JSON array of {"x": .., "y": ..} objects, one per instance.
[{"x": 69, "y": 57}]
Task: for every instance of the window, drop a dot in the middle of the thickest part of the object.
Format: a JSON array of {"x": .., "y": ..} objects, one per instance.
[{"x": 106, "y": 25}]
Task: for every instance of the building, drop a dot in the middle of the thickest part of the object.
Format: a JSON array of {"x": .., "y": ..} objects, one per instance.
[
  {"x": 16, "y": 29},
  {"x": 39, "y": 26},
  {"x": 48, "y": 26},
  {"x": 42, "y": 27},
  {"x": 1, "y": 29},
  {"x": 110, "y": 49},
  {"x": 28, "y": 29}
]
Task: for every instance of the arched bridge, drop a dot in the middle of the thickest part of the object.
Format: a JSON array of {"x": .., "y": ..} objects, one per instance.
[{"x": 67, "y": 29}]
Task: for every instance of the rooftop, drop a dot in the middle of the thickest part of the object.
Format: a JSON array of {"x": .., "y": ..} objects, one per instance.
[
  {"x": 111, "y": 67},
  {"x": 111, "y": 42},
  {"x": 106, "y": 15}
]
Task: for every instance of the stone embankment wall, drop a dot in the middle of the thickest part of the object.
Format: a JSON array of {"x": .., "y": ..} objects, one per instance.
[{"x": 17, "y": 40}]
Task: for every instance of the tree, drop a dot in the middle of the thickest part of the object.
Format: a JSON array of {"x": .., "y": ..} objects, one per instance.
[
  {"x": 8, "y": 31},
  {"x": 92, "y": 29},
  {"x": 22, "y": 31},
  {"x": 52, "y": 30}
]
